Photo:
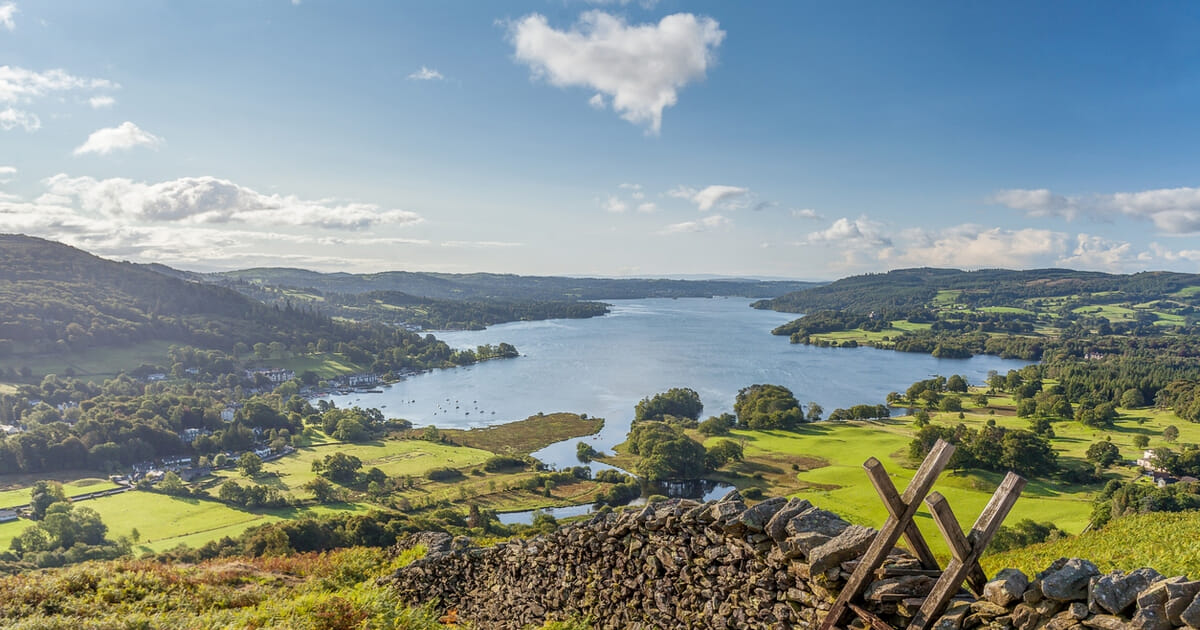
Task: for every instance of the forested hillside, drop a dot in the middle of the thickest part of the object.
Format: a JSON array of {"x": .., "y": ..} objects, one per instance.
[
  {"x": 912, "y": 288},
  {"x": 508, "y": 286}
]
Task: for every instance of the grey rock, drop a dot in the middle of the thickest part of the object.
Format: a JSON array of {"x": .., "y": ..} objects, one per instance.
[
  {"x": 777, "y": 527},
  {"x": 1078, "y": 610},
  {"x": 1070, "y": 582},
  {"x": 852, "y": 542},
  {"x": 908, "y": 585},
  {"x": 1106, "y": 622},
  {"x": 756, "y": 518},
  {"x": 1180, "y": 595},
  {"x": 1007, "y": 587},
  {"x": 1191, "y": 614},
  {"x": 801, "y": 544},
  {"x": 1116, "y": 592},
  {"x": 817, "y": 520}
]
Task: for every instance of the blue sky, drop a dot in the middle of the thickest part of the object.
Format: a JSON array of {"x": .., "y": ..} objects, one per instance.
[{"x": 782, "y": 139}]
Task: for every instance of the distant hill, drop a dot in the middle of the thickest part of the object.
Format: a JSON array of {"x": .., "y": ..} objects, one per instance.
[
  {"x": 490, "y": 286},
  {"x": 56, "y": 298},
  {"x": 916, "y": 288}
]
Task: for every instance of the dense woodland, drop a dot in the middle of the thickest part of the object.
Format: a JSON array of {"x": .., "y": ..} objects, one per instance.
[{"x": 491, "y": 286}]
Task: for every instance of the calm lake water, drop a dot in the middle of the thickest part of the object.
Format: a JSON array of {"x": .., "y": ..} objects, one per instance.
[{"x": 604, "y": 365}]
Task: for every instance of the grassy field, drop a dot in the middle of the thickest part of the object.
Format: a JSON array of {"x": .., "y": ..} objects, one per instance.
[
  {"x": 525, "y": 436},
  {"x": 17, "y": 492},
  {"x": 96, "y": 363},
  {"x": 1005, "y": 309},
  {"x": 1168, "y": 542},
  {"x": 326, "y": 364}
]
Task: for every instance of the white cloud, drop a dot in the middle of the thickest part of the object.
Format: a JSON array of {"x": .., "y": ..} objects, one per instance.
[
  {"x": 101, "y": 102},
  {"x": 705, "y": 199},
  {"x": 807, "y": 213},
  {"x": 426, "y": 74},
  {"x": 211, "y": 200},
  {"x": 628, "y": 186},
  {"x": 7, "y": 11},
  {"x": 21, "y": 85},
  {"x": 1190, "y": 255},
  {"x": 649, "y": 206},
  {"x": 7, "y": 173},
  {"x": 860, "y": 232},
  {"x": 640, "y": 67},
  {"x": 482, "y": 244},
  {"x": 1095, "y": 252},
  {"x": 12, "y": 118},
  {"x": 614, "y": 204},
  {"x": 708, "y": 223},
  {"x": 1171, "y": 210},
  {"x": 597, "y": 101},
  {"x": 971, "y": 246},
  {"x": 120, "y": 138}
]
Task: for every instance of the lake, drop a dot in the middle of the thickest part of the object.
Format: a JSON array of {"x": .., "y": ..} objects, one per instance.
[{"x": 604, "y": 365}]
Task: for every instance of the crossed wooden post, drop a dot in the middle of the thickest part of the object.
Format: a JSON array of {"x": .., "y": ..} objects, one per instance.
[{"x": 965, "y": 550}]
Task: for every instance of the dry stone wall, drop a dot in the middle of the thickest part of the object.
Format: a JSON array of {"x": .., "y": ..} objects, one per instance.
[{"x": 778, "y": 564}]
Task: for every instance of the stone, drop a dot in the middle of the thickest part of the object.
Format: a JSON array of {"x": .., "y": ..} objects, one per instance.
[
  {"x": 987, "y": 609},
  {"x": 801, "y": 544},
  {"x": 1191, "y": 614},
  {"x": 1179, "y": 596},
  {"x": 1150, "y": 618},
  {"x": 1024, "y": 617},
  {"x": 1078, "y": 610},
  {"x": 1106, "y": 622},
  {"x": 852, "y": 542},
  {"x": 953, "y": 618},
  {"x": 1070, "y": 581},
  {"x": 905, "y": 585},
  {"x": 777, "y": 527},
  {"x": 817, "y": 520},
  {"x": 1062, "y": 621},
  {"x": 756, "y": 518},
  {"x": 1007, "y": 587},
  {"x": 1116, "y": 592}
]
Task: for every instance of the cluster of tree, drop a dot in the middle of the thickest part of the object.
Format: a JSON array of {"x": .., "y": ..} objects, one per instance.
[
  {"x": 679, "y": 402},
  {"x": 990, "y": 448},
  {"x": 1183, "y": 463},
  {"x": 623, "y": 489},
  {"x": 718, "y": 425},
  {"x": 765, "y": 407},
  {"x": 252, "y": 495},
  {"x": 861, "y": 412},
  {"x": 62, "y": 533},
  {"x": 1023, "y": 533},
  {"x": 1123, "y": 498},
  {"x": 667, "y": 453}
]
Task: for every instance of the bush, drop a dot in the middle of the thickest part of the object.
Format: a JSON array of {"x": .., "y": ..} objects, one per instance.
[
  {"x": 444, "y": 474},
  {"x": 504, "y": 462}
]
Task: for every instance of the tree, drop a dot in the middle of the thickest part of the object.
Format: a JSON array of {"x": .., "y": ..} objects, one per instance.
[
  {"x": 721, "y": 453},
  {"x": 42, "y": 496},
  {"x": 666, "y": 452},
  {"x": 682, "y": 402},
  {"x": 1141, "y": 441},
  {"x": 338, "y": 467},
  {"x": 1103, "y": 454},
  {"x": 1171, "y": 433},
  {"x": 956, "y": 384},
  {"x": 718, "y": 425},
  {"x": 250, "y": 464},
  {"x": 322, "y": 490},
  {"x": 763, "y": 407},
  {"x": 814, "y": 412},
  {"x": 172, "y": 484},
  {"x": 1133, "y": 398},
  {"x": 951, "y": 403}
]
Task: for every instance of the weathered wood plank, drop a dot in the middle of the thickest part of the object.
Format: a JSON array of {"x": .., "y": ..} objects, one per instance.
[
  {"x": 891, "y": 531},
  {"x": 960, "y": 547},
  {"x": 981, "y": 534},
  {"x": 872, "y": 620},
  {"x": 891, "y": 499}
]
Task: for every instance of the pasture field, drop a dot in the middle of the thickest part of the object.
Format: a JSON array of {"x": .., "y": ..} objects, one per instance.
[{"x": 18, "y": 492}]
